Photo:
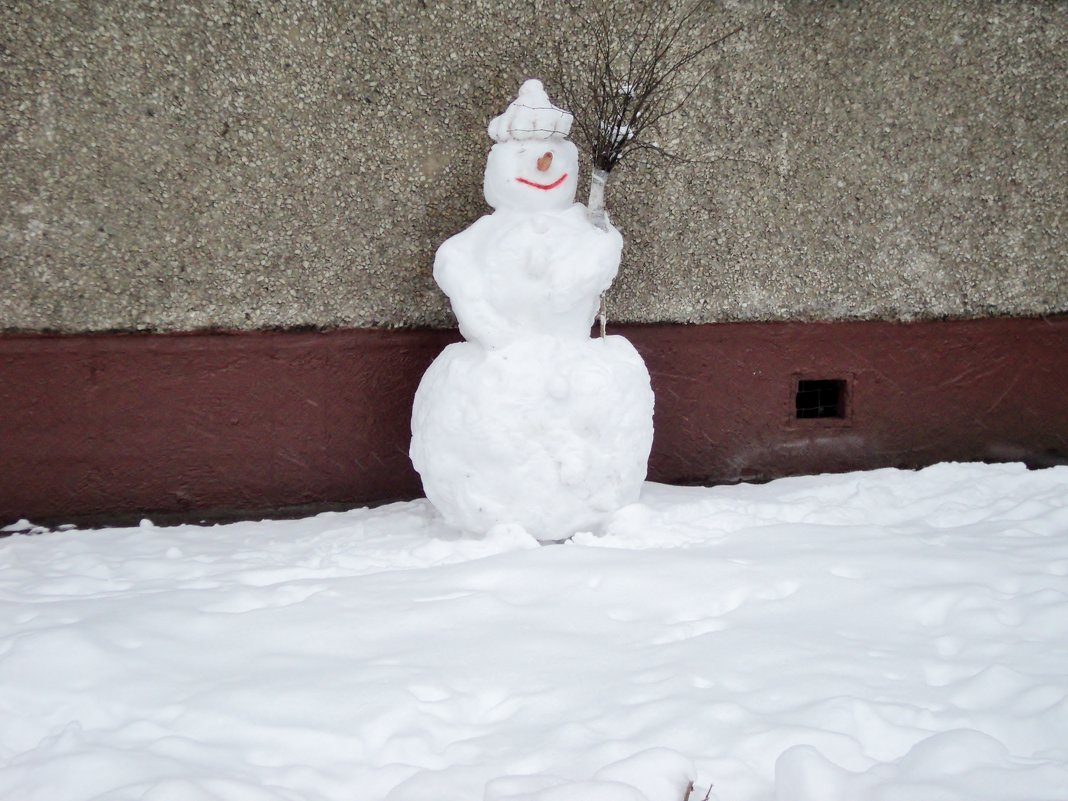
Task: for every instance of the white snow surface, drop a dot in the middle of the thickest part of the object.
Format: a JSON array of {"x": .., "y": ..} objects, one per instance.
[{"x": 878, "y": 636}]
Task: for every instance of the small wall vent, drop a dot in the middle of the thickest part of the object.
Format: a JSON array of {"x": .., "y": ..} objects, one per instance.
[{"x": 821, "y": 398}]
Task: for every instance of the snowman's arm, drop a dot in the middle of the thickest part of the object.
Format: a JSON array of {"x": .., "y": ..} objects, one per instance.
[
  {"x": 457, "y": 272},
  {"x": 453, "y": 256},
  {"x": 479, "y": 321},
  {"x": 601, "y": 252}
]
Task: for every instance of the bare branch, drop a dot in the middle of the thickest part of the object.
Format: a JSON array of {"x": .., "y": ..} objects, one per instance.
[
  {"x": 640, "y": 66},
  {"x": 636, "y": 74}
]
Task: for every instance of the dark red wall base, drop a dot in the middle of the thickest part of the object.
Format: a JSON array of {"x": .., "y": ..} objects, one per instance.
[{"x": 197, "y": 426}]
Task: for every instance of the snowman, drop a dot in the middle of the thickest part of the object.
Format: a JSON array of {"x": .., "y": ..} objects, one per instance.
[{"x": 531, "y": 422}]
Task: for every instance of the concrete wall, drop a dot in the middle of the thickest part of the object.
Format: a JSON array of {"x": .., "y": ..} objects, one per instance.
[{"x": 169, "y": 166}]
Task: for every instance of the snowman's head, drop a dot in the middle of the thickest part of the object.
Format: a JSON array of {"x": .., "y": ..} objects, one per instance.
[
  {"x": 533, "y": 166},
  {"x": 532, "y": 175}
]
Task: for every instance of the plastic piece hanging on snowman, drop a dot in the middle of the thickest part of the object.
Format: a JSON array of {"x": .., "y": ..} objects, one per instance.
[{"x": 531, "y": 423}]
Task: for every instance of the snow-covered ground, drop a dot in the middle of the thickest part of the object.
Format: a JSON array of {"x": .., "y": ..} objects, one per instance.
[{"x": 881, "y": 636}]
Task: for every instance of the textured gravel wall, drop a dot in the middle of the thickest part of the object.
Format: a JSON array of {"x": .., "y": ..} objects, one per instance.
[{"x": 171, "y": 166}]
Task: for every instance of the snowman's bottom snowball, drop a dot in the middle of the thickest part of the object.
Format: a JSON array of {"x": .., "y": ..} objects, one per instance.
[{"x": 550, "y": 434}]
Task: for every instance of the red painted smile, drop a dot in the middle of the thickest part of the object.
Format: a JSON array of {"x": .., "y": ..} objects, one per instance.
[{"x": 553, "y": 185}]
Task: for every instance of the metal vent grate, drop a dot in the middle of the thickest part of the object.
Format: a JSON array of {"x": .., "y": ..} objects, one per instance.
[{"x": 823, "y": 397}]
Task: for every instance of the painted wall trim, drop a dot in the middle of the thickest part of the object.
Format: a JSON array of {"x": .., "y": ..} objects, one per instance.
[{"x": 110, "y": 427}]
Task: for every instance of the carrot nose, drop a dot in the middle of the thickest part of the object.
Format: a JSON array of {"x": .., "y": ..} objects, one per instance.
[{"x": 545, "y": 162}]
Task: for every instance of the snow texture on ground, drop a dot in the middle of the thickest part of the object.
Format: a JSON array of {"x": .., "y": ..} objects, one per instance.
[{"x": 880, "y": 636}]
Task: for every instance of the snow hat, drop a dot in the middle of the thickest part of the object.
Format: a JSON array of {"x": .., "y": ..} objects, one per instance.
[{"x": 530, "y": 116}]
